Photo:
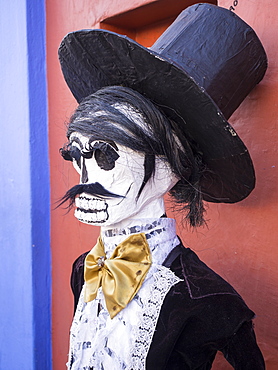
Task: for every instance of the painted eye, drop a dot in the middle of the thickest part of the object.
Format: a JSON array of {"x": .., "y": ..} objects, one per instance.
[{"x": 105, "y": 156}]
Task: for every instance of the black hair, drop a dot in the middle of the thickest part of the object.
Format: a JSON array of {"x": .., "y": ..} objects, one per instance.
[{"x": 106, "y": 115}]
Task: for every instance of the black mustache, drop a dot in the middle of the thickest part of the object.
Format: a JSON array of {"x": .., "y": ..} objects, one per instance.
[{"x": 94, "y": 189}]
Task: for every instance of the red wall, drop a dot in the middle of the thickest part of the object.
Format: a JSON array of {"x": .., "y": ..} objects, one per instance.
[{"x": 240, "y": 240}]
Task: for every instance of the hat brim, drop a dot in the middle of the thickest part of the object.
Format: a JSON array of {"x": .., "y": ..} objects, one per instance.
[{"x": 92, "y": 59}]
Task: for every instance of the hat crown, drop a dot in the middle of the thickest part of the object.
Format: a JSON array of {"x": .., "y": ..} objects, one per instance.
[{"x": 218, "y": 50}]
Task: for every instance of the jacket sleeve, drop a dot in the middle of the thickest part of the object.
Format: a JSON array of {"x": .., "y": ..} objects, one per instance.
[
  {"x": 242, "y": 351},
  {"x": 201, "y": 315}
]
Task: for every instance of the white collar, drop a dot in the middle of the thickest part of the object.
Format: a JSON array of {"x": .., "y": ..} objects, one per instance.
[{"x": 159, "y": 232}]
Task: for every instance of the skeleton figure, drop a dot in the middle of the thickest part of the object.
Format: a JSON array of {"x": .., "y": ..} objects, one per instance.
[
  {"x": 124, "y": 173},
  {"x": 152, "y": 121}
]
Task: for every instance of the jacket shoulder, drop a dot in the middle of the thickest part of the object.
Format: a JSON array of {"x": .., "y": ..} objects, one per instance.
[{"x": 202, "y": 291}]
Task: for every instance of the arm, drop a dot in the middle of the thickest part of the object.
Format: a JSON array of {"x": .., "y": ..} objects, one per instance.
[{"x": 242, "y": 351}]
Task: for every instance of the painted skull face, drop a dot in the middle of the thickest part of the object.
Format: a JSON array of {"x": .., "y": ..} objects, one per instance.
[{"x": 118, "y": 171}]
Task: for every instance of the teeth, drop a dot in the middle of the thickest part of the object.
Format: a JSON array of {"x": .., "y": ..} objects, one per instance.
[
  {"x": 82, "y": 203},
  {"x": 78, "y": 214},
  {"x": 99, "y": 205},
  {"x": 90, "y": 204},
  {"x": 77, "y": 202},
  {"x": 94, "y": 204},
  {"x": 86, "y": 204},
  {"x": 90, "y": 210},
  {"x": 89, "y": 217}
]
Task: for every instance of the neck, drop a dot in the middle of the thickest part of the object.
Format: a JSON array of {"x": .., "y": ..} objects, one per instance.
[{"x": 155, "y": 209}]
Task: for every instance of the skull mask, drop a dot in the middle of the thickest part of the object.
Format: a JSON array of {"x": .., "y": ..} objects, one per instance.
[
  {"x": 120, "y": 171},
  {"x": 113, "y": 186}
]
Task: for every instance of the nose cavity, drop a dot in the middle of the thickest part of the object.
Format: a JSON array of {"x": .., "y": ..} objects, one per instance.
[{"x": 84, "y": 173}]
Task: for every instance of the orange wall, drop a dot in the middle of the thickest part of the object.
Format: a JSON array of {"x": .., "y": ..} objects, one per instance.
[{"x": 240, "y": 240}]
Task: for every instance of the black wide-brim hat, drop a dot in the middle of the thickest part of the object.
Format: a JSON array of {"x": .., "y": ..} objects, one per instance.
[{"x": 198, "y": 72}]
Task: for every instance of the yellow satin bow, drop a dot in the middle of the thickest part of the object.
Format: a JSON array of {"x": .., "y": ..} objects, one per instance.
[{"x": 120, "y": 276}]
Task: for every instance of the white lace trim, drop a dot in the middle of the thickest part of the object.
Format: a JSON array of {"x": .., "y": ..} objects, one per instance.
[{"x": 164, "y": 279}]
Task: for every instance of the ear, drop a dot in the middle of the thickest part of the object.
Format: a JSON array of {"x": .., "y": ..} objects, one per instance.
[{"x": 161, "y": 182}]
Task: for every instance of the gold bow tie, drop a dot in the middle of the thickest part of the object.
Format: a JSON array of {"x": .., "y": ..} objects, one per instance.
[{"x": 120, "y": 276}]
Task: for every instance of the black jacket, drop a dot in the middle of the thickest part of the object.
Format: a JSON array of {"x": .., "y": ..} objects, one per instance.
[{"x": 201, "y": 315}]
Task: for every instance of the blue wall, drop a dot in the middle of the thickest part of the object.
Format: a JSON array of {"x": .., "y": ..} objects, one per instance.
[{"x": 25, "y": 335}]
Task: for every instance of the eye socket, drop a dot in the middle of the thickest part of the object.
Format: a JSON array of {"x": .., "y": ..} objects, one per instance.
[
  {"x": 70, "y": 153},
  {"x": 105, "y": 155},
  {"x": 65, "y": 153}
]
